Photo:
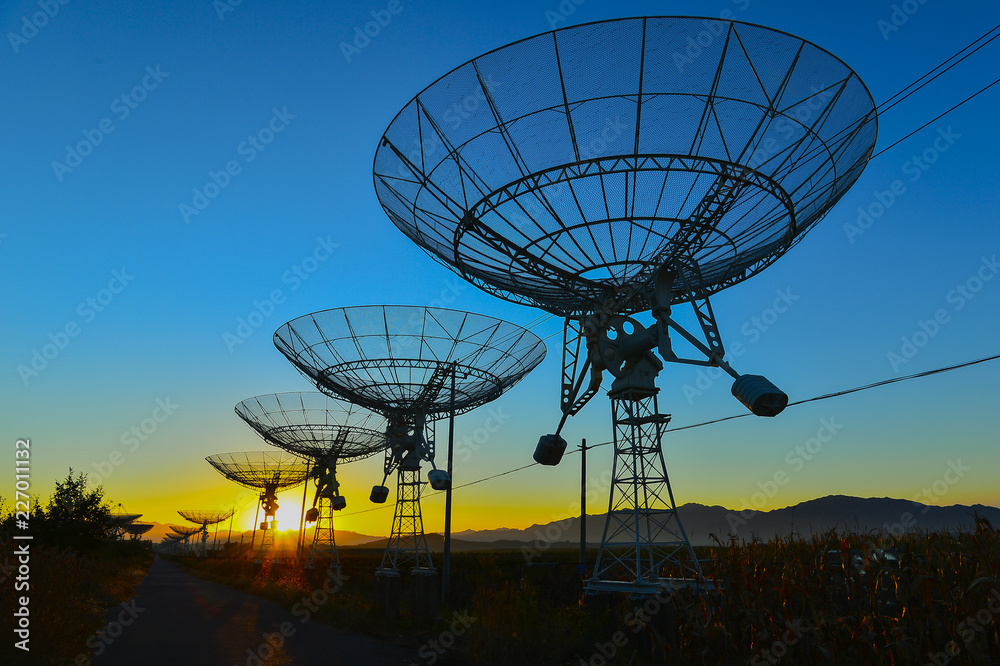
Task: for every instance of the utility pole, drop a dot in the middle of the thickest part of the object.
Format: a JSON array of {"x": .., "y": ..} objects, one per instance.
[
  {"x": 446, "y": 564},
  {"x": 583, "y": 508}
]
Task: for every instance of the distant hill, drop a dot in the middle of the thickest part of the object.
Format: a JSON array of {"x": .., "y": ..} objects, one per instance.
[{"x": 840, "y": 512}]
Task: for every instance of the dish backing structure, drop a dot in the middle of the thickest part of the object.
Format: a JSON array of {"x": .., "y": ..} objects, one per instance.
[
  {"x": 136, "y": 530},
  {"x": 119, "y": 523},
  {"x": 605, "y": 171},
  {"x": 182, "y": 535},
  {"x": 412, "y": 365},
  {"x": 204, "y": 519},
  {"x": 266, "y": 472},
  {"x": 327, "y": 431}
]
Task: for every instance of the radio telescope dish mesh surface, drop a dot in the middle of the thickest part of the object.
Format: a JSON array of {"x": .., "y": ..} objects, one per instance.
[
  {"x": 184, "y": 530},
  {"x": 124, "y": 519},
  {"x": 315, "y": 425},
  {"x": 585, "y": 158},
  {"x": 259, "y": 469},
  {"x": 205, "y": 517},
  {"x": 138, "y": 528},
  {"x": 393, "y": 359}
]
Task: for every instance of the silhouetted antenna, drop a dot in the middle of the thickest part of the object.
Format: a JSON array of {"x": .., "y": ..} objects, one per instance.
[
  {"x": 183, "y": 535},
  {"x": 267, "y": 472},
  {"x": 120, "y": 521},
  {"x": 620, "y": 174},
  {"x": 413, "y": 365},
  {"x": 328, "y": 431},
  {"x": 206, "y": 518}
]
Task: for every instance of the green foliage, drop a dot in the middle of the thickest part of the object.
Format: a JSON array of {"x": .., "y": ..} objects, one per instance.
[
  {"x": 76, "y": 572},
  {"x": 75, "y": 517}
]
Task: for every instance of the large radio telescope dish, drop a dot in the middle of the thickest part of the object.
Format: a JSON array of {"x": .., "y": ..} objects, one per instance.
[
  {"x": 261, "y": 470},
  {"x": 315, "y": 425},
  {"x": 390, "y": 359},
  {"x": 585, "y": 158}
]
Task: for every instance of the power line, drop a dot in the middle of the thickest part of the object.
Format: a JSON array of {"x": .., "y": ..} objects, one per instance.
[
  {"x": 825, "y": 396},
  {"x": 936, "y": 118},
  {"x": 889, "y": 103},
  {"x": 882, "y": 108}
]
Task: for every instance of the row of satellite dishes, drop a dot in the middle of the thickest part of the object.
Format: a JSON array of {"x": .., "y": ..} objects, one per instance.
[
  {"x": 605, "y": 184},
  {"x": 386, "y": 375},
  {"x": 124, "y": 525}
]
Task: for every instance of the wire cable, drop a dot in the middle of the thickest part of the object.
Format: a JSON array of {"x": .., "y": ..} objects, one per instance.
[
  {"x": 825, "y": 396},
  {"x": 889, "y": 103},
  {"x": 936, "y": 118}
]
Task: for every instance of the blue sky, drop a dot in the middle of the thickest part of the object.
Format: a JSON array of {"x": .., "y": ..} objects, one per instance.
[{"x": 295, "y": 227}]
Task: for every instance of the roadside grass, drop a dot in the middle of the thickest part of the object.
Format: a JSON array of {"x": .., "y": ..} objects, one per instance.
[
  {"x": 870, "y": 598},
  {"x": 69, "y": 595}
]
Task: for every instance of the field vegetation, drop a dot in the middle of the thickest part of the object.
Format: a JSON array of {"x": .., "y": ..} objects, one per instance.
[
  {"x": 827, "y": 599},
  {"x": 76, "y": 573}
]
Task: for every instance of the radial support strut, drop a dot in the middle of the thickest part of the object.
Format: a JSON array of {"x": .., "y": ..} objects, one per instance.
[
  {"x": 644, "y": 545},
  {"x": 407, "y": 543}
]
